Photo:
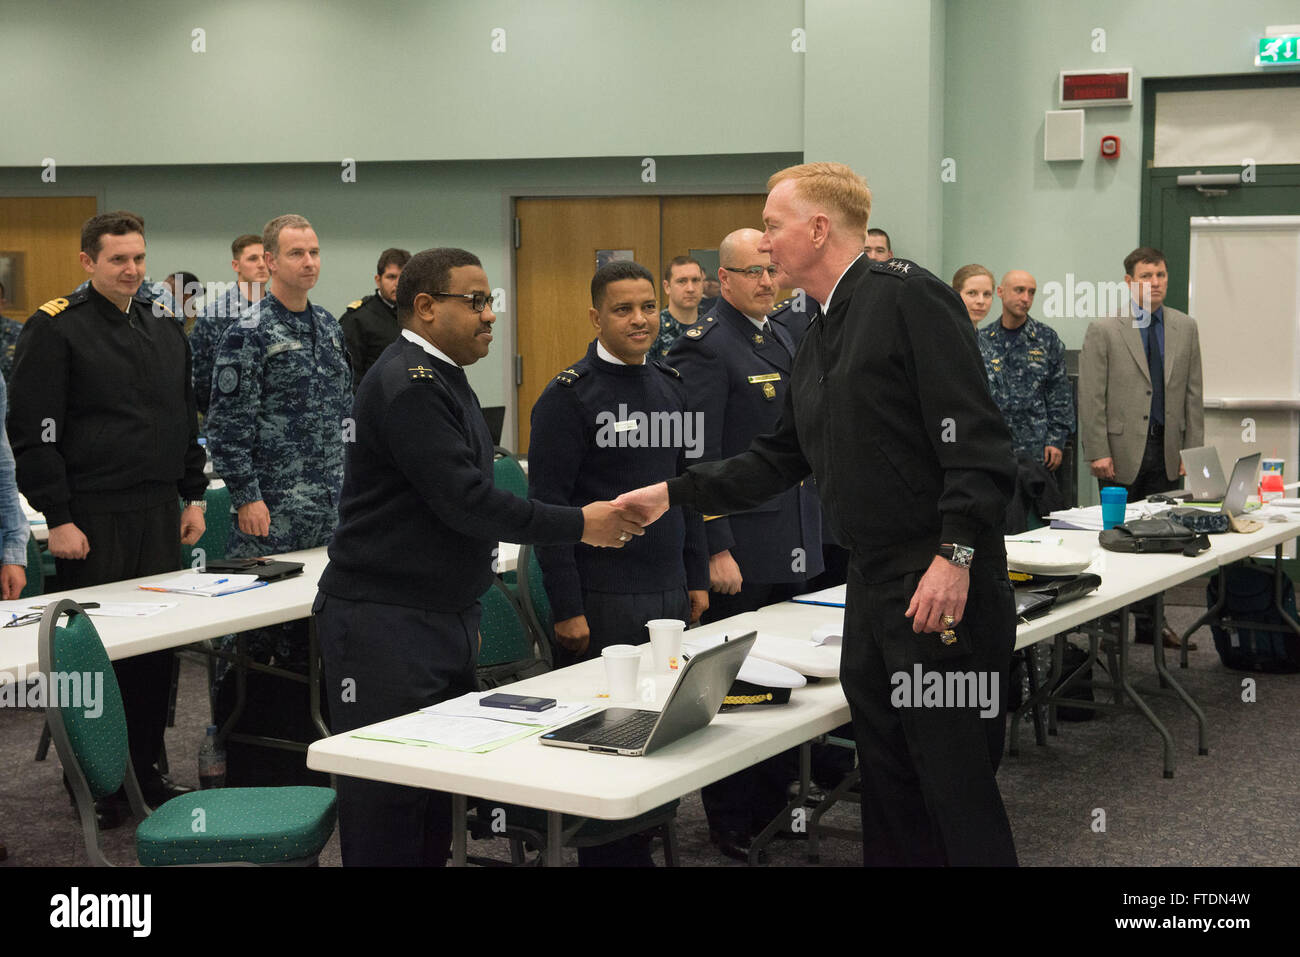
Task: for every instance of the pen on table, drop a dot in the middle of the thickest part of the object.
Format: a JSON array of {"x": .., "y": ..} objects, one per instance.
[{"x": 221, "y": 581}]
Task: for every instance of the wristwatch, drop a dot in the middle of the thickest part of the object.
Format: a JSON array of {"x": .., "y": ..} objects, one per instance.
[
  {"x": 959, "y": 555},
  {"x": 200, "y": 504}
]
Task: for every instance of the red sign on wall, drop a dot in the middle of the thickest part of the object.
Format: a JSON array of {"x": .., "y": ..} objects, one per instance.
[{"x": 1096, "y": 87}]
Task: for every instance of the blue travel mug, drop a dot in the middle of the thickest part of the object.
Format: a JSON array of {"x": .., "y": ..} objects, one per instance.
[{"x": 1113, "y": 501}]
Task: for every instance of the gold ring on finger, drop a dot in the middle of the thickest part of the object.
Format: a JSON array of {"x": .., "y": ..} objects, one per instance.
[{"x": 948, "y": 620}]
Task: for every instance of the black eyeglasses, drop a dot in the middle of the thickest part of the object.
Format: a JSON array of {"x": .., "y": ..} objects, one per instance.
[
  {"x": 753, "y": 272},
  {"x": 478, "y": 301}
]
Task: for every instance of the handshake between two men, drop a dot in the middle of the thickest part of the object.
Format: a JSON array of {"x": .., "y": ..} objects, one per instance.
[{"x": 612, "y": 524}]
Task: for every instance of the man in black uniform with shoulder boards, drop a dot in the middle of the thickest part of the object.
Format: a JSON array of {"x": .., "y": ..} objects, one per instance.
[
  {"x": 105, "y": 436},
  {"x": 611, "y": 420},
  {"x": 419, "y": 518},
  {"x": 370, "y": 324},
  {"x": 889, "y": 409}
]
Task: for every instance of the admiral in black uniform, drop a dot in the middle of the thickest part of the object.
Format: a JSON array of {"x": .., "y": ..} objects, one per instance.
[
  {"x": 370, "y": 324},
  {"x": 419, "y": 518},
  {"x": 890, "y": 410},
  {"x": 105, "y": 438}
]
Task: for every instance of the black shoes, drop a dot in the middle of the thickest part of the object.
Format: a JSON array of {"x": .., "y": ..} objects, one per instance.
[
  {"x": 159, "y": 790},
  {"x": 733, "y": 844},
  {"x": 113, "y": 810}
]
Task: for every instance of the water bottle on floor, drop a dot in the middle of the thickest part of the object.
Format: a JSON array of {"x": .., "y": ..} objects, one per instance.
[{"x": 212, "y": 761}]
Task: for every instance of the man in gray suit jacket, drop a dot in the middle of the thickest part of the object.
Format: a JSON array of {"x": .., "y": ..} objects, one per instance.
[{"x": 1140, "y": 388}]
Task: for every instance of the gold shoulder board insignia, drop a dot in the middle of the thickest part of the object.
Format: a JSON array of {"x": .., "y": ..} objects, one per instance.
[
  {"x": 421, "y": 372},
  {"x": 693, "y": 333},
  {"x": 354, "y": 304},
  {"x": 54, "y": 306}
]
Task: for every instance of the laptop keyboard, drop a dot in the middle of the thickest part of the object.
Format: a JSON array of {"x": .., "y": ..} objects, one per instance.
[{"x": 631, "y": 732}]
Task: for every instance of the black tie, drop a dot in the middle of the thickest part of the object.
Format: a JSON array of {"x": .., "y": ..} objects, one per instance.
[{"x": 1156, "y": 366}]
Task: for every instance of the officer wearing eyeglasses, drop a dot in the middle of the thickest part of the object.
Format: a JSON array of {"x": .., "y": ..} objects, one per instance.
[
  {"x": 398, "y": 610},
  {"x": 736, "y": 369}
]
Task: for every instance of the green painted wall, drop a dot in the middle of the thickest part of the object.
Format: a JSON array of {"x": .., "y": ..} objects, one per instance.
[
  {"x": 1010, "y": 209},
  {"x": 319, "y": 80},
  {"x": 874, "y": 79}
]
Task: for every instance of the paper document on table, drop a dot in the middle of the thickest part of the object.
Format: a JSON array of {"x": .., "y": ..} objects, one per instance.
[
  {"x": 208, "y": 584},
  {"x": 834, "y": 596},
  {"x": 447, "y": 731},
  {"x": 130, "y": 609},
  {"x": 467, "y": 706},
  {"x": 1088, "y": 518}
]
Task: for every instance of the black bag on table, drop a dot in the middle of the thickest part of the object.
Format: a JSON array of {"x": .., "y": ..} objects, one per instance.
[{"x": 1153, "y": 535}]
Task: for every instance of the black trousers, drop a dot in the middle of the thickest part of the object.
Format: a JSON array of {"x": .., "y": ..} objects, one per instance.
[
  {"x": 1151, "y": 478},
  {"x": 382, "y": 661},
  {"x": 127, "y": 545},
  {"x": 929, "y": 795}
]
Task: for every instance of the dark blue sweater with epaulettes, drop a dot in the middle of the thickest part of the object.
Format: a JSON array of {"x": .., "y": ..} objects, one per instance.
[
  {"x": 600, "y": 429},
  {"x": 420, "y": 514}
]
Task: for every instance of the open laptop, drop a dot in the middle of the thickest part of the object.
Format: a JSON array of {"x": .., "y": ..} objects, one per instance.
[
  {"x": 1241, "y": 484},
  {"x": 1205, "y": 480},
  {"x": 695, "y": 699}
]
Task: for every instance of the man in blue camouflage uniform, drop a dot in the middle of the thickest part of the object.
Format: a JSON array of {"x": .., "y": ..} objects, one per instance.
[
  {"x": 10, "y": 329},
  {"x": 684, "y": 286},
  {"x": 281, "y": 397},
  {"x": 1025, "y": 363},
  {"x": 237, "y": 303}
]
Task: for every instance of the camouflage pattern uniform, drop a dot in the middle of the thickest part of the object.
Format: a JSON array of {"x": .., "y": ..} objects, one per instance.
[
  {"x": 208, "y": 331},
  {"x": 669, "y": 331},
  {"x": 10, "y": 329},
  {"x": 281, "y": 390},
  {"x": 1028, "y": 381}
]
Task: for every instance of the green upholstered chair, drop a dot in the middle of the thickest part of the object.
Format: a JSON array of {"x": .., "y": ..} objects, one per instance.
[
  {"x": 532, "y": 596},
  {"x": 509, "y": 475},
  {"x": 510, "y": 649},
  {"x": 218, "y": 826}
]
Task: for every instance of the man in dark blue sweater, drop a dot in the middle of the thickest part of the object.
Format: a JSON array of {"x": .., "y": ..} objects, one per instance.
[
  {"x": 419, "y": 517},
  {"x": 615, "y": 420},
  {"x": 610, "y": 421}
]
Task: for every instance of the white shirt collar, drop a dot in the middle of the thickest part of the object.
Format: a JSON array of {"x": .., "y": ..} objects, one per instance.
[
  {"x": 826, "y": 306},
  {"x": 608, "y": 356},
  {"x": 429, "y": 347}
]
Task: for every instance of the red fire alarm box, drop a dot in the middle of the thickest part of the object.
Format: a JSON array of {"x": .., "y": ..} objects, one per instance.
[{"x": 1110, "y": 147}]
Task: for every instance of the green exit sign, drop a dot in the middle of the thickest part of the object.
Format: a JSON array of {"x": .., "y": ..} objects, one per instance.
[{"x": 1278, "y": 50}]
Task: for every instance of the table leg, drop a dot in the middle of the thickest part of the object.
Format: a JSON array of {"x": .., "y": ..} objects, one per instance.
[
  {"x": 459, "y": 825},
  {"x": 1131, "y": 692},
  {"x": 1277, "y": 589},
  {"x": 313, "y": 676},
  {"x": 1202, "y": 732},
  {"x": 797, "y": 803},
  {"x": 554, "y": 839},
  {"x": 1211, "y": 614}
]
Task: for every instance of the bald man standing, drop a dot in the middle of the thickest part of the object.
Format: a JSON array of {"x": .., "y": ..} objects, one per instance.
[{"x": 1025, "y": 363}]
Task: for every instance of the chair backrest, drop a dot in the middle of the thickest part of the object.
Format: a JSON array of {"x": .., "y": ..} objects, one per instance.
[
  {"x": 508, "y": 474},
  {"x": 35, "y": 570},
  {"x": 510, "y": 650},
  {"x": 532, "y": 593},
  {"x": 83, "y": 704},
  {"x": 216, "y": 534}
]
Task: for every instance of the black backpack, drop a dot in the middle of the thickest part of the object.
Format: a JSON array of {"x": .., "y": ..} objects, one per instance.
[{"x": 1250, "y": 597}]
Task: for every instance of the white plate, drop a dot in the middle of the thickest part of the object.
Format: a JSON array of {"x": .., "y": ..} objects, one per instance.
[{"x": 1043, "y": 558}]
